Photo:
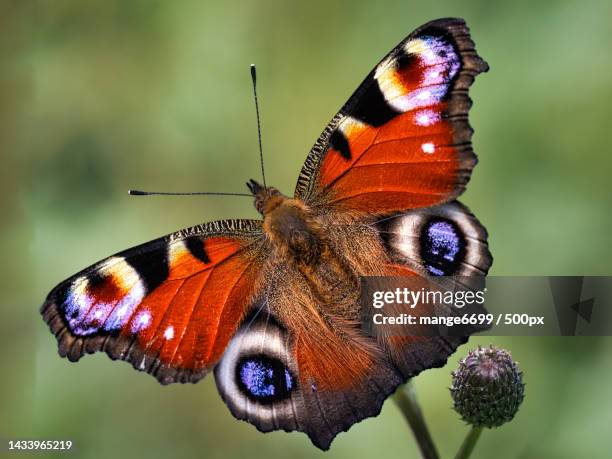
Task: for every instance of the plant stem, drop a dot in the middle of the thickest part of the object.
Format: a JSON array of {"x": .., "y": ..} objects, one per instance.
[
  {"x": 405, "y": 397},
  {"x": 468, "y": 444}
]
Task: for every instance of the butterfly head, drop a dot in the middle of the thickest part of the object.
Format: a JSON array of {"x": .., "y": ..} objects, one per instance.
[{"x": 266, "y": 198}]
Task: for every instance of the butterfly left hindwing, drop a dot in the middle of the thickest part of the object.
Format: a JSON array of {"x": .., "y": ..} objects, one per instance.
[{"x": 259, "y": 379}]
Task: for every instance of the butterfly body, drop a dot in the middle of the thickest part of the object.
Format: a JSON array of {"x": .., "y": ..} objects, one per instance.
[
  {"x": 292, "y": 231},
  {"x": 272, "y": 306},
  {"x": 311, "y": 246}
]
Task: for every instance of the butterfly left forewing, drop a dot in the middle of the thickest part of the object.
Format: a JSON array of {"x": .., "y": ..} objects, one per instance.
[{"x": 168, "y": 307}]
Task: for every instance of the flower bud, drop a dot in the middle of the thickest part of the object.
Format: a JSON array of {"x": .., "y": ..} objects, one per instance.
[{"x": 487, "y": 387}]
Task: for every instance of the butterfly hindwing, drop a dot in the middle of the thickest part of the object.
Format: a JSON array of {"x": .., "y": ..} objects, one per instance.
[
  {"x": 169, "y": 307},
  {"x": 444, "y": 240},
  {"x": 402, "y": 140},
  {"x": 443, "y": 245},
  {"x": 260, "y": 380}
]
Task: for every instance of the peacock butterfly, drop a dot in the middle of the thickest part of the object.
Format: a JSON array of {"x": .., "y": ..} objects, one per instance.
[{"x": 272, "y": 306}]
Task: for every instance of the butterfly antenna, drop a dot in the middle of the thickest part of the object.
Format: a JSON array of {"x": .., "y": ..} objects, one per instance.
[
  {"x": 197, "y": 193},
  {"x": 254, "y": 78},
  {"x": 208, "y": 193}
]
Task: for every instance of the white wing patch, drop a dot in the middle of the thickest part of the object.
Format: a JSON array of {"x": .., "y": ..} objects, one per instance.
[{"x": 87, "y": 314}]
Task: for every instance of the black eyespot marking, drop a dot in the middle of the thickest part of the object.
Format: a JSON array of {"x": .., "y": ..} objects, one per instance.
[
  {"x": 151, "y": 266},
  {"x": 372, "y": 108},
  {"x": 264, "y": 379},
  {"x": 339, "y": 143},
  {"x": 442, "y": 247},
  {"x": 95, "y": 279},
  {"x": 404, "y": 60},
  {"x": 195, "y": 245}
]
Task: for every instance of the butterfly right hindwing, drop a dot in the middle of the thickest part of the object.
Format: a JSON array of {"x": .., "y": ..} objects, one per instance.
[{"x": 444, "y": 240}]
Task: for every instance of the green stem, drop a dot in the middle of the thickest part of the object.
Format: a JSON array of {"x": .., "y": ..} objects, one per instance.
[
  {"x": 468, "y": 444},
  {"x": 405, "y": 397}
]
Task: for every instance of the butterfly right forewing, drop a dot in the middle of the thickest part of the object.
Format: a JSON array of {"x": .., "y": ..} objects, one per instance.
[{"x": 402, "y": 140}]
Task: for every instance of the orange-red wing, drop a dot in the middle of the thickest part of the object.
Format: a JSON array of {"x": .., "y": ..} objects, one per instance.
[
  {"x": 402, "y": 141},
  {"x": 169, "y": 307}
]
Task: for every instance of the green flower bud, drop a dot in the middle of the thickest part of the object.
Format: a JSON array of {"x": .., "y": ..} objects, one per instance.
[{"x": 487, "y": 387}]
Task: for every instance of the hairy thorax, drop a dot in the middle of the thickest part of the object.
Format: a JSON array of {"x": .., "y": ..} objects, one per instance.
[{"x": 297, "y": 235}]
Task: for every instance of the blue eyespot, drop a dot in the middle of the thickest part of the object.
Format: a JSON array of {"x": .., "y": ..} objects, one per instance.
[
  {"x": 264, "y": 379},
  {"x": 442, "y": 247}
]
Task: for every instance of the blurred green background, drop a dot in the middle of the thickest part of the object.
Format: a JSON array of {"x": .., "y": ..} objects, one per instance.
[{"x": 100, "y": 96}]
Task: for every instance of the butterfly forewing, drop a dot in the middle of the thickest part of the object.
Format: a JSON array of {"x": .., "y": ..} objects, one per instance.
[
  {"x": 402, "y": 140},
  {"x": 169, "y": 306}
]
